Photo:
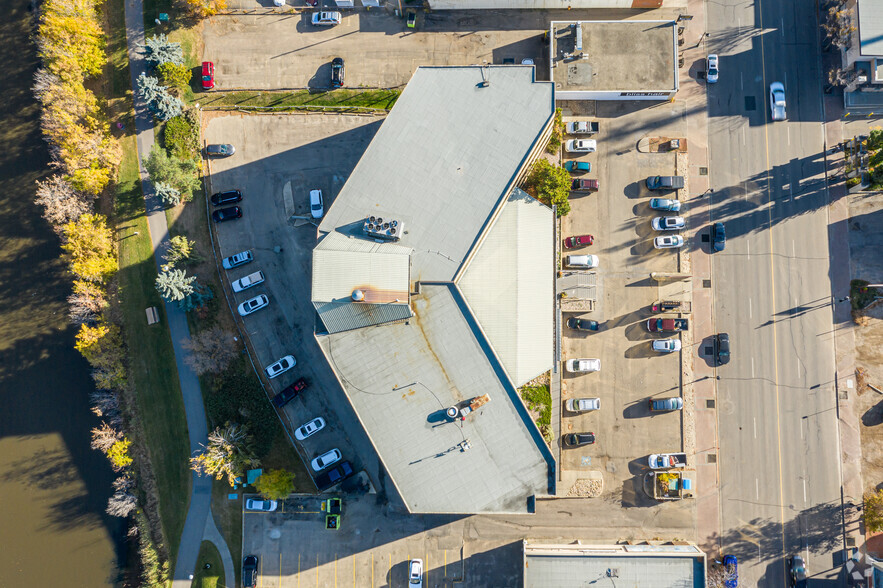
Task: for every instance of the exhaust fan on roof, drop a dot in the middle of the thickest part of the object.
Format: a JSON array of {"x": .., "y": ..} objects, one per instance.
[{"x": 389, "y": 230}]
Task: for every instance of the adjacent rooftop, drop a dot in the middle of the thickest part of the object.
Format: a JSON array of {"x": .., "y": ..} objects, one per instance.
[
  {"x": 870, "y": 27},
  {"x": 614, "y": 56}
]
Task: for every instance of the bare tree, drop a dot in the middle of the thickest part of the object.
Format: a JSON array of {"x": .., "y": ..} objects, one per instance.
[
  {"x": 123, "y": 501},
  {"x": 104, "y": 437},
  {"x": 87, "y": 302},
  {"x": 61, "y": 202},
  {"x": 838, "y": 25},
  {"x": 212, "y": 350},
  {"x": 228, "y": 454},
  {"x": 718, "y": 576}
]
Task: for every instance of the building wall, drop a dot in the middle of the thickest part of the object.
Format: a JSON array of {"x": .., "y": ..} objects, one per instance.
[
  {"x": 614, "y": 95},
  {"x": 542, "y": 4}
]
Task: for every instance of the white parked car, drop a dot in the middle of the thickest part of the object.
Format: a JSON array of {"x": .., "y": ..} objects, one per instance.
[
  {"x": 309, "y": 429},
  {"x": 583, "y": 404},
  {"x": 281, "y": 366},
  {"x": 326, "y": 459},
  {"x": 326, "y": 18},
  {"x": 581, "y": 366},
  {"x": 711, "y": 72},
  {"x": 664, "y": 461},
  {"x": 777, "y": 101},
  {"x": 581, "y": 127},
  {"x": 415, "y": 573},
  {"x": 667, "y": 345},
  {"x": 246, "y": 282},
  {"x": 668, "y": 223},
  {"x": 261, "y": 505},
  {"x": 316, "y": 207},
  {"x": 581, "y": 146},
  {"x": 582, "y": 261},
  {"x": 237, "y": 259},
  {"x": 668, "y": 242},
  {"x": 253, "y": 304}
]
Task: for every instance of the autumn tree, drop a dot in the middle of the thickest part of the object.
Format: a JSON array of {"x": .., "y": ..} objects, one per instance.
[
  {"x": 550, "y": 185},
  {"x": 182, "y": 174},
  {"x": 204, "y": 8},
  {"x": 873, "y": 509},
  {"x": 118, "y": 454},
  {"x": 102, "y": 346},
  {"x": 181, "y": 250},
  {"x": 87, "y": 302},
  {"x": 211, "y": 350},
  {"x": 275, "y": 484},
  {"x": 106, "y": 405},
  {"x": 61, "y": 203},
  {"x": 228, "y": 454},
  {"x": 70, "y": 38},
  {"x": 159, "y": 50},
  {"x": 89, "y": 242},
  {"x": 175, "y": 75},
  {"x": 104, "y": 437}
]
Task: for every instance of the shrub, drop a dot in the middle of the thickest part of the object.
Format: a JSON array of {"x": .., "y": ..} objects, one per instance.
[
  {"x": 176, "y": 75},
  {"x": 873, "y": 510},
  {"x": 275, "y": 484},
  {"x": 182, "y": 174},
  {"x": 557, "y": 133},
  {"x": 181, "y": 135}
]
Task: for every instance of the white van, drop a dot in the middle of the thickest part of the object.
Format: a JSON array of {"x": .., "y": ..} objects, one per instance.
[{"x": 581, "y": 261}]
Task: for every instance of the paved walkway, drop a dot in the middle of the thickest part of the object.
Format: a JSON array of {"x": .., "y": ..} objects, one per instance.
[{"x": 199, "y": 523}]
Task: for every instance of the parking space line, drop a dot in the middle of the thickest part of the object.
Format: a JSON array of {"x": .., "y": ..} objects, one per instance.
[
  {"x": 335, "y": 570},
  {"x": 280, "y": 569},
  {"x": 317, "y": 569},
  {"x": 372, "y": 569},
  {"x": 446, "y": 563}
]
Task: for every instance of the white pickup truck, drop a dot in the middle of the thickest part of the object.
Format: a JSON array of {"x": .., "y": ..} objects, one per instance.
[{"x": 248, "y": 281}]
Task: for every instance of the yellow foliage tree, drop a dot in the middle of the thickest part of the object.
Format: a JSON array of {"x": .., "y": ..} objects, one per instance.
[
  {"x": 118, "y": 454},
  {"x": 90, "y": 243},
  {"x": 205, "y": 8},
  {"x": 102, "y": 346},
  {"x": 71, "y": 42}
]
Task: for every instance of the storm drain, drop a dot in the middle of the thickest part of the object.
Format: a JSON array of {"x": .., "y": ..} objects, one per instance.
[
  {"x": 706, "y": 283},
  {"x": 711, "y": 458},
  {"x": 709, "y": 403}
]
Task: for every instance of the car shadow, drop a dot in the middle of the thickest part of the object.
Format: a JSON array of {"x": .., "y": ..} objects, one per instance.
[
  {"x": 637, "y": 332},
  {"x": 640, "y": 351},
  {"x": 637, "y": 409},
  {"x": 705, "y": 350},
  {"x": 633, "y": 190}
]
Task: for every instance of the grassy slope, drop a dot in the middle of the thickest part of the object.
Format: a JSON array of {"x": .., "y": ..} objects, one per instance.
[
  {"x": 212, "y": 577},
  {"x": 301, "y": 99},
  {"x": 151, "y": 357}
]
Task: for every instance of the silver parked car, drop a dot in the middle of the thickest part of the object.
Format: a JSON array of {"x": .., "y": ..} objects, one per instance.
[{"x": 583, "y": 404}]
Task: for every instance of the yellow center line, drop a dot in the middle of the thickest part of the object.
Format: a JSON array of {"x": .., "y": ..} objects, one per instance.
[
  {"x": 446, "y": 563},
  {"x": 773, "y": 279},
  {"x": 390, "y": 568}
]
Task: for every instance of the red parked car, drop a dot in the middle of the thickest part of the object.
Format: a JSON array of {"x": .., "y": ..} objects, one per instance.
[
  {"x": 578, "y": 241},
  {"x": 208, "y": 75}
]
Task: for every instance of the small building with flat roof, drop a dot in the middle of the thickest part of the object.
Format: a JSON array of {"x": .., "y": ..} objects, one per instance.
[
  {"x": 433, "y": 280},
  {"x": 574, "y": 565},
  {"x": 614, "y": 60}
]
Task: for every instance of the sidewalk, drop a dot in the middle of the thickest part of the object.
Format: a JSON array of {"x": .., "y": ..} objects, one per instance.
[
  {"x": 199, "y": 512},
  {"x": 699, "y": 378},
  {"x": 852, "y": 486}
]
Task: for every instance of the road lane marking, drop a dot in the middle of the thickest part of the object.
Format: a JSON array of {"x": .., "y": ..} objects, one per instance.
[
  {"x": 793, "y": 250},
  {"x": 748, "y": 246},
  {"x": 752, "y": 367},
  {"x": 750, "y": 315},
  {"x": 804, "y": 490},
  {"x": 757, "y": 489},
  {"x": 788, "y": 132},
  {"x": 755, "y": 428}
]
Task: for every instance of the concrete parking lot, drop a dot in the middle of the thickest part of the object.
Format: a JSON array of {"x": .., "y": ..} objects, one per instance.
[
  {"x": 618, "y": 216},
  {"x": 278, "y": 160},
  {"x": 374, "y": 544},
  {"x": 280, "y": 50}
]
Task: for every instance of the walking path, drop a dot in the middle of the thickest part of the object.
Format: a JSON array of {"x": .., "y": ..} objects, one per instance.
[{"x": 199, "y": 523}]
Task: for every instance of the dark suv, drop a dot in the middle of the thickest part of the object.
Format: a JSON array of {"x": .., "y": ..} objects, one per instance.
[
  {"x": 578, "y": 439},
  {"x": 718, "y": 237},
  {"x": 226, "y": 214},
  {"x": 337, "y": 71},
  {"x": 335, "y": 475},
  {"x": 250, "y": 571},
  {"x": 227, "y": 197},
  {"x": 722, "y": 348}
]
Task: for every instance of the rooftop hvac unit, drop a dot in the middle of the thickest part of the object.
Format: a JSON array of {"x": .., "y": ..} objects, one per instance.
[
  {"x": 378, "y": 228},
  {"x": 579, "y": 36}
]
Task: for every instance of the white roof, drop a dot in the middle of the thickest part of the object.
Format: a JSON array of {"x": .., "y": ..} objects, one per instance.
[
  {"x": 343, "y": 264},
  {"x": 508, "y": 286}
]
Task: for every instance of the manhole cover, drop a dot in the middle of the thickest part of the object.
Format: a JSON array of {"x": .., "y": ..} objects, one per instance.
[
  {"x": 711, "y": 458},
  {"x": 703, "y": 171},
  {"x": 750, "y": 103},
  {"x": 709, "y": 404},
  {"x": 706, "y": 283}
]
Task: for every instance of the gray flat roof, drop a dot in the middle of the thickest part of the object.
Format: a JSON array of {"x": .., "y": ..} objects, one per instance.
[
  {"x": 400, "y": 379},
  {"x": 870, "y": 27},
  {"x": 625, "y": 55},
  {"x": 443, "y": 158},
  {"x": 576, "y": 566},
  {"x": 444, "y": 164}
]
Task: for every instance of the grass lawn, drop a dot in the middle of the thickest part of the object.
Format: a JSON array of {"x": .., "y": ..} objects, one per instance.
[
  {"x": 228, "y": 518},
  {"x": 212, "y": 577},
  {"x": 152, "y": 368},
  {"x": 301, "y": 99}
]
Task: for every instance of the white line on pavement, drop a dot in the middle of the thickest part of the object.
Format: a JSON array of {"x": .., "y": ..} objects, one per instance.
[
  {"x": 757, "y": 488},
  {"x": 788, "y": 131},
  {"x": 750, "y": 315},
  {"x": 752, "y": 367},
  {"x": 755, "y": 428},
  {"x": 804, "y": 490},
  {"x": 743, "y": 135},
  {"x": 748, "y": 246},
  {"x": 793, "y": 250}
]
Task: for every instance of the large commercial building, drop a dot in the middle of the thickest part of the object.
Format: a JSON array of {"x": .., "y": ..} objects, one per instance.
[{"x": 433, "y": 282}]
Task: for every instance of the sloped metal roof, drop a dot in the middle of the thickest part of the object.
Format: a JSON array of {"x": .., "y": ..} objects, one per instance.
[
  {"x": 508, "y": 284},
  {"x": 379, "y": 271}
]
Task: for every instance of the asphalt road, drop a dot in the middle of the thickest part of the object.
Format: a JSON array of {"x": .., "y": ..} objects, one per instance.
[{"x": 779, "y": 454}]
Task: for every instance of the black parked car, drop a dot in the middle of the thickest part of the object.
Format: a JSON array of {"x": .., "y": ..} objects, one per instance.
[
  {"x": 582, "y": 324},
  {"x": 722, "y": 348},
  {"x": 226, "y": 214},
  {"x": 718, "y": 237},
  {"x": 250, "y": 571},
  {"x": 337, "y": 71},
  {"x": 334, "y": 476},
  {"x": 289, "y": 393},
  {"x": 221, "y": 150},
  {"x": 577, "y": 439},
  {"x": 226, "y": 197}
]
